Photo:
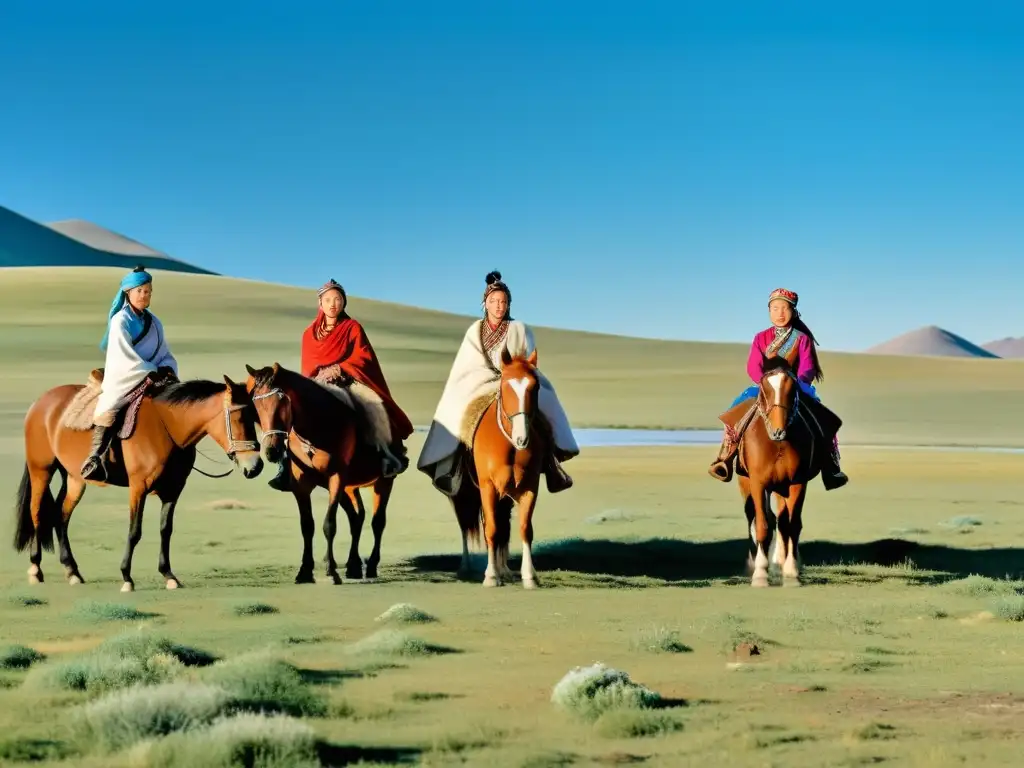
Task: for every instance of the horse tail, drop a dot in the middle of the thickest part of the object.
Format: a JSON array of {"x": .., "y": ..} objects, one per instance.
[{"x": 25, "y": 528}]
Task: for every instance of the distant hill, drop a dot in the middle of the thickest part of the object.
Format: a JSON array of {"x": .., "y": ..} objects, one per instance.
[
  {"x": 931, "y": 341},
  {"x": 77, "y": 243},
  {"x": 1009, "y": 347}
]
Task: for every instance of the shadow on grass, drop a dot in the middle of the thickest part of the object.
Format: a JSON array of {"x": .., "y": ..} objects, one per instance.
[
  {"x": 697, "y": 564},
  {"x": 350, "y": 754}
]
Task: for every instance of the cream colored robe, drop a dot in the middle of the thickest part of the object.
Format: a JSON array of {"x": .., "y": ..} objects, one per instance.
[
  {"x": 471, "y": 378},
  {"x": 129, "y": 361}
]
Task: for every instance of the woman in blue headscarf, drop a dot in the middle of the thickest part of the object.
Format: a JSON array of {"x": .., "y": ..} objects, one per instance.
[{"x": 136, "y": 350}]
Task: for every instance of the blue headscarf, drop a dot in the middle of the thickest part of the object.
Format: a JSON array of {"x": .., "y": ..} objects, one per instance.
[{"x": 135, "y": 278}]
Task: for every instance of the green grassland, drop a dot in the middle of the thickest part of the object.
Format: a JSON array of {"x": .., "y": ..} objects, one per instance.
[
  {"x": 52, "y": 320},
  {"x": 900, "y": 649}
]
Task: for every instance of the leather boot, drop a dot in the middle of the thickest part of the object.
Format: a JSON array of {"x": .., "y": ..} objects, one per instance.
[
  {"x": 94, "y": 467},
  {"x": 721, "y": 467},
  {"x": 394, "y": 460},
  {"x": 282, "y": 480},
  {"x": 832, "y": 476},
  {"x": 557, "y": 478}
]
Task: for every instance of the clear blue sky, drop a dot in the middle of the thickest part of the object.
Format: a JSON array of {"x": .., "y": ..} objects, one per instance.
[{"x": 650, "y": 168}]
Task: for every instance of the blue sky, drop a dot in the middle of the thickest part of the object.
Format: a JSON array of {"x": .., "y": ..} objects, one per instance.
[{"x": 649, "y": 168}]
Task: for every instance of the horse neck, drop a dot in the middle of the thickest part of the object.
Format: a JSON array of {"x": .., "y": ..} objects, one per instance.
[
  {"x": 188, "y": 423},
  {"x": 310, "y": 403}
]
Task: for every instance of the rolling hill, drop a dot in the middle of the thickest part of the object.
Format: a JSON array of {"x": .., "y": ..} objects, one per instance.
[
  {"x": 1010, "y": 347},
  {"x": 217, "y": 325},
  {"x": 931, "y": 341},
  {"x": 76, "y": 243}
]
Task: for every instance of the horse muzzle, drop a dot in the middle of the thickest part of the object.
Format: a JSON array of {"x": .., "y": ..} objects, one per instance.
[
  {"x": 777, "y": 435},
  {"x": 251, "y": 466}
]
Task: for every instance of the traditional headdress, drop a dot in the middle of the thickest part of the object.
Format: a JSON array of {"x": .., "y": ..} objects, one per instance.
[
  {"x": 785, "y": 295},
  {"x": 135, "y": 278},
  {"x": 494, "y": 283},
  {"x": 332, "y": 285}
]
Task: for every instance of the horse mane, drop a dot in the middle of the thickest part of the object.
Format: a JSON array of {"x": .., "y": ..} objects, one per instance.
[
  {"x": 777, "y": 363},
  {"x": 189, "y": 392}
]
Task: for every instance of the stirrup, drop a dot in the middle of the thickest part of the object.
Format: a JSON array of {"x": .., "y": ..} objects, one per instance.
[
  {"x": 721, "y": 469},
  {"x": 282, "y": 480},
  {"x": 94, "y": 468}
]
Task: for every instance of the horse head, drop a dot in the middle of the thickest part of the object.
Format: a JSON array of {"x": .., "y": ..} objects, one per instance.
[
  {"x": 238, "y": 420},
  {"x": 273, "y": 408},
  {"x": 778, "y": 396},
  {"x": 517, "y": 396}
]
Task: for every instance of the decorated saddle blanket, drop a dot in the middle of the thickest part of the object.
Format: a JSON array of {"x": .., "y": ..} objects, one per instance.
[
  {"x": 78, "y": 415},
  {"x": 474, "y": 415}
]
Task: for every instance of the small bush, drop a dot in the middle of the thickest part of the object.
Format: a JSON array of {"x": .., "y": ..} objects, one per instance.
[
  {"x": 391, "y": 642},
  {"x": 260, "y": 683},
  {"x": 589, "y": 692},
  {"x": 405, "y": 613},
  {"x": 248, "y": 739},
  {"x": 19, "y": 657},
  {"x": 124, "y": 718},
  {"x": 253, "y": 609},
  {"x": 636, "y": 723},
  {"x": 28, "y": 601},
  {"x": 94, "y": 611},
  {"x": 980, "y": 586},
  {"x": 660, "y": 640},
  {"x": 1009, "y": 607}
]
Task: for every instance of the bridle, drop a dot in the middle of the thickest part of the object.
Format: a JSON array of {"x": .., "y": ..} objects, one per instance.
[
  {"x": 234, "y": 446},
  {"x": 270, "y": 432},
  {"x": 774, "y": 434},
  {"x": 500, "y": 412}
]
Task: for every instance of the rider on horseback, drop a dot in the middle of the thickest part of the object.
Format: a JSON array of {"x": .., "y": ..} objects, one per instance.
[
  {"x": 476, "y": 372},
  {"x": 788, "y": 337},
  {"x": 336, "y": 352},
  {"x": 136, "y": 356}
]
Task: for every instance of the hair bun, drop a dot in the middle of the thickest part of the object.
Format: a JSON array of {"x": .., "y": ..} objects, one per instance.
[
  {"x": 493, "y": 277},
  {"x": 139, "y": 268}
]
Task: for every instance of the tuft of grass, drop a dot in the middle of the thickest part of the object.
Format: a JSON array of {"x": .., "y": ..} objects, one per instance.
[
  {"x": 125, "y": 718},
  {"x": 253, "y": 609},
  {"x": 865, "y": 665},
  {"x": 660, "y": 640},
  {"x": 875, "y": 732},
  {"x": 636, "y": 723},
  {"x": 95, "y": 611},
  {"x": 274, "y": 741},
  {"x": 122, "y": 661},
  {"x": 981, "y": 586},
  {"x": 261, "y": 683},
  {"x": 392, "y": 642},
  {"x": 19, "y": 657},
  {"x": 589, "y": 692},
  {"x": 27, "y": 601},
  {"x": 422, "y": 696},
  {"x": 228, "y": 504},
  {"x": 27, "y": 750},
  {"x": 405, "y": 613},
  {"x": 1009, "y": 607}
]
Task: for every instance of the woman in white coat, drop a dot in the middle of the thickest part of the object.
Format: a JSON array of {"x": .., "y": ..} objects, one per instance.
[
  {"x": 136, "y": 350},
  {"x": 477, "y": 372}
]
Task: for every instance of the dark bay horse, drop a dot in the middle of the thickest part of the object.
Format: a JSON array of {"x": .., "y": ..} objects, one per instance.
[
  {"x": 781, "y": 451},
  {"x": 325, "y": 442},
  {"x": 156, "y": 459},
  {"x": 504, "y": 468}
]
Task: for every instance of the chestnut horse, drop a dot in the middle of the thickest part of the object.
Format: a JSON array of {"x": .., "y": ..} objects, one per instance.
[
  {"x": 327, "y": 451},
  {"x": 156, "y": 459},
  {"x": 780, "y": 452},
  {"x": 504, "y": 467}
]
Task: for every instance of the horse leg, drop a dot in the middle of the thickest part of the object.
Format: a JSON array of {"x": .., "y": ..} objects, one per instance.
[
  {"x": 381, "y": 496},
  {"x": 791, "y": 567},
  {"x": 352, "y": 502},
  {"x": 762, "y": 536},
  {"x": 504, "y": 515},
  {"x": 302, "y": 489},
  {"x": 169, "y": 502},
  {"x": 335, "y": 496},
  {"x": 748, "y": 510},
  {"x": 72, "y": 491},
  {"x": 489, "y": 503},
  {"x": 136, "y": 506},
  {"x": 527, "y": 503},
  {"x": 41, "y": 510},
  {"x": 781, "y": 539}
]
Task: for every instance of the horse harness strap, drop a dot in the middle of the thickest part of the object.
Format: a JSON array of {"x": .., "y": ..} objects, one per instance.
[
  {"x": 277, "y": 391},
  {"x": 500, "y": 411}
]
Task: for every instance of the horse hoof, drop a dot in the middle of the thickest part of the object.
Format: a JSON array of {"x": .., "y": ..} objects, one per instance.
[
  {"x": 74, "y": 579},
  {"x": 371, "y": 573},
  {"x": 759, "y": 581},
  {"x": 491, "y": 581},
  {"x": 173, "y": 583},
  {"x": 305, "y": 578},
  {"x": 530, "y": 584},
  {"x": 792, "y": 581},
  {"x": 335, "y": 578},
  {"x": 128, "y": 587},
  {"x": 354, "y": 574}
]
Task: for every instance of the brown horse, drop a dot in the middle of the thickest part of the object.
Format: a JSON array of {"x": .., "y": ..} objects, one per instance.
[
  {"x": 155, "y": 459},
  {"x": 327, "y": 450},
  {"x": 504, "y": 467},
  {"x": 781, "y": 451}
]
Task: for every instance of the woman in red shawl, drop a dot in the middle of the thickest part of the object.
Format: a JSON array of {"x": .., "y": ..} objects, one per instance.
[{"x": 336, "y": 350}]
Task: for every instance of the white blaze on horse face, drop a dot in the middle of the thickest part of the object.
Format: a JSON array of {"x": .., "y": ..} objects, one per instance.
[
  {"x": 775, "y": 380},
  {"x": 520, "y": 429}
]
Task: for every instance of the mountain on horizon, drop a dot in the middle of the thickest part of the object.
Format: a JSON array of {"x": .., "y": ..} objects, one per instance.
[
  {"x": 77, "y": 243},
  {"x": 931, "y": 341},
  {"x": 1010, "y": 347}
]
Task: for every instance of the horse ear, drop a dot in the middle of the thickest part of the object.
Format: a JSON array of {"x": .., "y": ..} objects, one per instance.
[
  {"x": 532, "y": 359},
  {"x": 229, "y": 382},
  {"x": 506, "y": 356},
  {"x": 277, "y": 367},
  {"x": 250, "y": 369}
]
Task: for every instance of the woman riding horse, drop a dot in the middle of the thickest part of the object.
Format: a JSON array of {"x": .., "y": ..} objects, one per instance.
[
  {"x": 476, "y": 373},
  {"x": 137, "y": 355},
  {"x": 336, "y": 351},
  {"x": 788, "y": 337}
]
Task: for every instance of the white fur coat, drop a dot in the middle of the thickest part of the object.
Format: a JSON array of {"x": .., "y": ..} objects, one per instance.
[{"x": 130, "y": 360}]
